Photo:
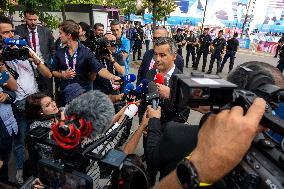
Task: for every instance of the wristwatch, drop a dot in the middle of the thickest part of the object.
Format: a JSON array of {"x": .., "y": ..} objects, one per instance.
[{"x": 187, "y": 174}]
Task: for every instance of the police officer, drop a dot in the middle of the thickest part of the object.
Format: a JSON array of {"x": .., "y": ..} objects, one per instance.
[
  {"x": 280, "y": 65},
  {"x": 217, "y": 49},
  {"x": 231, "y": 49},
  {"x": 138, "y": 38},
  {"x": 204, "y": 43},
  {"x": 190, "y": 48},
  {"x": 180, "y": 41}
]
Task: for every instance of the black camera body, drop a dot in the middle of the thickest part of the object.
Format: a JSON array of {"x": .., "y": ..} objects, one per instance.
[
  {"x": 101, "y": 50},
  {"x": 9, "y": 54},
  {"x": 263, "y": 165}
]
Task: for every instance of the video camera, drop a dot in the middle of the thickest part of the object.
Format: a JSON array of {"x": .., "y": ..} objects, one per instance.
[
  {"x": 263, "y": 165},
  {"x": 9, "y": 53},
  {"x": 95, "y": 158},
  {"x": 101, "y": 50}
]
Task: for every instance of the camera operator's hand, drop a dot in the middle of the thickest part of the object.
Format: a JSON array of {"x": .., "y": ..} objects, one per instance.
[
  {"x": 151, "y": 113},
  {"x": 68, "y": 74},
  {"x": 115, "y": 80},
  {"x": 224, "y": 139},
  {"x": 164, "y": 91},
  {"x": 109, "y": 56},
  {"x": 124, "y": 55},
  {"x": 37, "y": 184},
  {"x": 3, "y": 97}
]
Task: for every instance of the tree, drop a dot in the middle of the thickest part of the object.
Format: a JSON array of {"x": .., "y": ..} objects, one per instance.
[
  {"x": 160, "y": 9},
  {"x": 125, "y": 6},
  {"x": 8, "y": 7}
]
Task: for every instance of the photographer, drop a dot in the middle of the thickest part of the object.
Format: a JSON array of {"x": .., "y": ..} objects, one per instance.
[
  {"x": 26, "y": 84},
  {"x": 105, "y": 54},
  {"x": 165, "y": 148}
]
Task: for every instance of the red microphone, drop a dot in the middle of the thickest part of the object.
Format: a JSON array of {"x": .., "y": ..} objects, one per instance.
[{"x": 159, "y": 78}]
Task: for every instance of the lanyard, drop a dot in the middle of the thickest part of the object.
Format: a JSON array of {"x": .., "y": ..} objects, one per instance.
[{"x": 74, "y": 59}]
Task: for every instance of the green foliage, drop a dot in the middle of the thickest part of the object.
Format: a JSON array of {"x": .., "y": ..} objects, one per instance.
[
  {"x": 125, "y": 6},
  {"x": 99, "y": 2},
  {"x": 163, "y": 8}
]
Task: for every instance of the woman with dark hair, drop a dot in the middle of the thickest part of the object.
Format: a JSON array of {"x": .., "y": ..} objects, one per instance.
[{"x": 84, "y": 36}]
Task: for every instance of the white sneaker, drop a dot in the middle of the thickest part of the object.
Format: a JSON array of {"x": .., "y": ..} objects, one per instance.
[{"x": 19, "y": 176}]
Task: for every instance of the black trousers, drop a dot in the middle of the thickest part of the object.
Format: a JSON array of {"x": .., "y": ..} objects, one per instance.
[
  {"x": 231, "y": 55},
  {"x": 191, "y": 51},
  {"x": 5, "y": 151},
  {"x": 215, "y": 56},
  {"x": 205, "y": 54}
]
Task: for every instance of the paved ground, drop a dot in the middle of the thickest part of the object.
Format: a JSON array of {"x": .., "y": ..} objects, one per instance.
[{"x": 241, "y": 57}]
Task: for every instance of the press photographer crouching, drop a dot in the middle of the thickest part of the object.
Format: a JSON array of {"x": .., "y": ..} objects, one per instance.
[
  {"x": 165, "y": 149},
  {"x": 26, "y": 72}
]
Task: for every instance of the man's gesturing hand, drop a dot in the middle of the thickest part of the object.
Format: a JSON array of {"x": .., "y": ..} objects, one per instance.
[{"x": 224, "y": 139}]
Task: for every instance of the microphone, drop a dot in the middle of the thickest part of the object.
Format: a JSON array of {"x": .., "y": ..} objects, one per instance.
[
  {"x": 159, "y": 78},
  {"x": 128, "y": 88},
  {"x": 14, "y": 41},
  {"x": 129, "y": 78},
  {"x": 94, "y": 107},
  {"x": 153, "y": 95}
]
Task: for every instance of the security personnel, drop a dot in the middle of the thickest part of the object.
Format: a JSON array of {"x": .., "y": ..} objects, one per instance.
[
  {"x": 180, "y": 41},
  {"x": 138, "y": 38},
  {"x": 217, "y": 49},
  {"x": 280, "y": 65},
  {"x": 204, "y": 43},
  {"x": 190, "y": 48},
  {"x": 231, "y": 49}
]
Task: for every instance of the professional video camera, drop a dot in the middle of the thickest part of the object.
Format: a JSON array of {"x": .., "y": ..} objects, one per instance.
[
  {"x": 101, "y": 48},
  {"x": 21, "y": 52},
  {"x": 263, "y": 165},
  {"x": 76, "y": 152}
]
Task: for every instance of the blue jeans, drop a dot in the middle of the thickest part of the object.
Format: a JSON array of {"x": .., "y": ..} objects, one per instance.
[{"x": 19, "y": 140}]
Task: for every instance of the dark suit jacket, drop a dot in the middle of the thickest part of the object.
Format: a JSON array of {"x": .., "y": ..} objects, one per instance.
[
  {"x": 144, "y": 67},
  {"x": 46, "y": 40},
  {"x": 169, "y": 112}
]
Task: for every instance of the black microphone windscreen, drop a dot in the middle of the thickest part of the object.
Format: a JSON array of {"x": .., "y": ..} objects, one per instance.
[
  {"x": 152, "y": 88},
  {"x": 93, "y": 106}
]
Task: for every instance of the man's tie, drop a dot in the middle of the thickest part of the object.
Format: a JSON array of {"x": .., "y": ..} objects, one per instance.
[{"x": 33, "y": 40}]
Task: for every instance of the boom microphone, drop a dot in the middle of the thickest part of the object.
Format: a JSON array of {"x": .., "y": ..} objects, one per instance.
[
  {"x": 14, "y": 41},
  {"x": 94, "y": 107}
]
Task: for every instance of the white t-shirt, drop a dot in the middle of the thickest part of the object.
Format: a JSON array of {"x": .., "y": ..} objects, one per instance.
[
  {"x": 26, "y": 83},
  {"x": 148, "y": 34}
]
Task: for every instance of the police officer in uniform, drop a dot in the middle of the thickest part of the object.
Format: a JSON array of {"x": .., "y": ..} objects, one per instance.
[
  {"x": 138, "y": 38},
  {"x": 280, "y": 65},
  {"x": 180, "y": 41},
  {"x": 190, "y": 48},
  {"x": 217, "y": 49},
  {"x": 231, "y": 49},
  {"x": 204, "y": 43}
]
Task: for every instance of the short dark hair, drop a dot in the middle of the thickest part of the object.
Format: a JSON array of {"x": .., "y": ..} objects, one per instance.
[
  {"x": 5, "y": 20},
  {"x": 70, "y": 27},
  {"x": 33, "y": 108},
  {"x": 98, "y": 25},
  {"x": 31, "y": 12},
  {"x": 85, "y": 27},
  {"x": 115, "y": 22},
  {"x": 220, "y": 31}
]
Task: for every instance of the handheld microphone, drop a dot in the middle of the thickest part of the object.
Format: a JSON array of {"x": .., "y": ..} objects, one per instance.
[
  {"x": 129, "y": 78},
  {"x": 14, "y": 41},
  {"x": 159, "y": 78},
  {"x": 153, "y": 95},
  {"x": 128, "y": 88}
]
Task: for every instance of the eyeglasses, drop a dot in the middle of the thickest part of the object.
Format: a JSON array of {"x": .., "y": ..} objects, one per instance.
[
  {"x": 156, "y": 38},
  {"x": 112, "y": 42}
]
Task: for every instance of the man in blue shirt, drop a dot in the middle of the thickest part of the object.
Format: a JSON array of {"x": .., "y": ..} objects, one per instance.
[
  {"x": 123, "y": 44},
  {"x": 76, "y": 63}
]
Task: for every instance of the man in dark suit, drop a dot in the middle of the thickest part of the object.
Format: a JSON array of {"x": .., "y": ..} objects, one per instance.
[
  {"x": 148, "y": 61},
  {"x": 40, "y": 39}
]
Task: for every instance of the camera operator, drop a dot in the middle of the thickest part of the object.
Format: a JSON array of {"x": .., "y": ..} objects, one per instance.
[
  {"x": 105, "y": 54},
  {"x": 76, "y": 63},
  {"x": 98, "y": 31},
  {"x": 223, "y": 140},
  {"x": 26, "y": 85},
  {"x": 165, "y": 148}
]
